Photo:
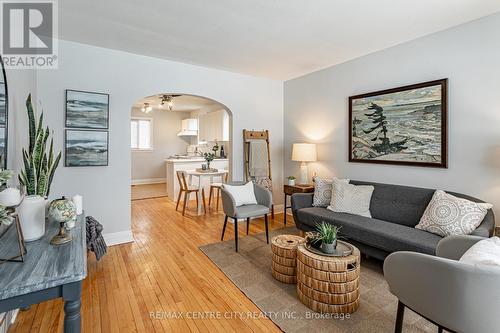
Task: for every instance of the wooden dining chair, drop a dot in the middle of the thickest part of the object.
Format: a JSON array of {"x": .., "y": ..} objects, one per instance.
[
  {"x": 187, "y": 190},
  {"x": 217, "y": 187}
]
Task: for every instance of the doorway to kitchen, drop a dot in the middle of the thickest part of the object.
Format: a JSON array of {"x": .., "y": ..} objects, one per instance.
[{"x": 171, "y": 134}]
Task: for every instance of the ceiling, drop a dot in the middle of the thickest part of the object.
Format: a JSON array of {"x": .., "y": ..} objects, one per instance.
[
  {"x": 182, "y": 103},
  {"x": 279, "y": 39}
]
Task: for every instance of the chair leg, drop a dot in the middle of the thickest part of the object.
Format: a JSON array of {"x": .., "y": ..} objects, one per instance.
[
  {"x": 267, "y": 229},
  {"x": 398, "y": 328},
  {"x": 204, "y": 201},
  {"x": 224, "y": 228},
  {"x": 236, "y": 233},
  {"x": 248, "y": 224},
  {"x": 186, "y": 197},
  {"x": 218, "y": 198},
  {"x": 210, "y": 196},
  {"x": 178, "y": 200},
  {"x": 197, "y": 200},
  {"x": 272, "y": 211}
]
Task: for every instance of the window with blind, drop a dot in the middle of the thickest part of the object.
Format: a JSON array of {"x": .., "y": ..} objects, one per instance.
[{"x": 141, "y": 133}]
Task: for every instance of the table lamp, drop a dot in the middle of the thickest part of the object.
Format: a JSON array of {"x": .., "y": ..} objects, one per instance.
[{"x": 304, "y": 152}]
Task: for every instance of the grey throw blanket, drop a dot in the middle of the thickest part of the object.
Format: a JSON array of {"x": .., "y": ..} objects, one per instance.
[{"x": 95, "y": 241}]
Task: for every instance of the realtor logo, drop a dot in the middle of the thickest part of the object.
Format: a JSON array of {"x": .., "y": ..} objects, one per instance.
[{"x": 29, "y": 34}]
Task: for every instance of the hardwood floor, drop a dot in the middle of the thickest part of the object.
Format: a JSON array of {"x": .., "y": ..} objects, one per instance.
[
  {"x": 148, "y": 191},
  {"x": 162, "y": 273}
]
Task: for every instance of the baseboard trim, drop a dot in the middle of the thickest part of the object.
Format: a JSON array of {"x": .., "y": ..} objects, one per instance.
[
  {"x": 117, "y": 238},
  {"x": 278, "y": 208},
  {"x": 148, "y": 181}
]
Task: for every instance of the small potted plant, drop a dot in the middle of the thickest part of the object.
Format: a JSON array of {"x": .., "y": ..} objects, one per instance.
[
  {"x": 328, "y": 234},
  {"x": 209, "y": 157},
  {"x": 291, "y": 180}
]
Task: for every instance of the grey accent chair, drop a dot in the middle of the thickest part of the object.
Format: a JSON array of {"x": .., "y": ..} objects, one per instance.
[
  {"x": 456, "y": 296},
  {"x": 262, "y": 208}
]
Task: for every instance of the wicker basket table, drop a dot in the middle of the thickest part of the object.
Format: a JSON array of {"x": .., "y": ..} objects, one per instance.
[
  {"x": 284, "y": 248},
  {"x": 328, "y": 284}
]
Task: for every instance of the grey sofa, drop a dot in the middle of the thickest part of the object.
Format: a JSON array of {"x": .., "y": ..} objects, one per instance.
[{"x": 395, "y": 211}]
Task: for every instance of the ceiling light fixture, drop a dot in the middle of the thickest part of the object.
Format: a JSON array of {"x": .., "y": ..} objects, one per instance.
[
  {"x": 147, "y": 108},
  {"x": 168, "y": 100}
]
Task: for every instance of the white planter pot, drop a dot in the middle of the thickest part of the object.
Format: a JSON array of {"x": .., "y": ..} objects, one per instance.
[
  {"x": 32, "y": 217},
  {"x": 291, "y": 182}
]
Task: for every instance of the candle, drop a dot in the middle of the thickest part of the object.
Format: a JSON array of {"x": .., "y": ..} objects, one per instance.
[
  {"x": 10, "y": 197},
  {"x": 78, "y": 201}
]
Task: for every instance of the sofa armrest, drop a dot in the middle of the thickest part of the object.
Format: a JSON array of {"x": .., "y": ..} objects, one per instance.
[
  {"x": 301, "y": 200},
  {"x": 454, "y": 247},
  {"x": 487, "y": 226},
  {"x": 460, "y": 296}
]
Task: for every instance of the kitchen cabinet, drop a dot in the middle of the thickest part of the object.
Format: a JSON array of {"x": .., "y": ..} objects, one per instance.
[
  {"x": 213, "y": 126},
  {"x": 189, "y": 127}
]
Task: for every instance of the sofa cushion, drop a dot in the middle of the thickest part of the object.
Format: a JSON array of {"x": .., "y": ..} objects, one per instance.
[
  {"x": 377, "y": 233},
  {"x": 323, "y": 191},
  {"x": 448, "y": 215},
  {"x": 398, "y": 204},
  {"x": 348, "y": 198}
]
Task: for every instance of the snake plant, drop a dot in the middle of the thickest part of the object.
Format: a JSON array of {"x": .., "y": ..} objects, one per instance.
[{"x": 39, "y": 164}]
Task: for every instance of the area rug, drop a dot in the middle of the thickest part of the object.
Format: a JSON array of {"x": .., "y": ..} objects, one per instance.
[{"x": 250, "y": 271}]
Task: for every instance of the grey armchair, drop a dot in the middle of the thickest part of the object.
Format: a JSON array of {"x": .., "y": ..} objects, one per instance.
[
  {"x": 456, "y": 296},
  {"x": 262, "y": 208}
]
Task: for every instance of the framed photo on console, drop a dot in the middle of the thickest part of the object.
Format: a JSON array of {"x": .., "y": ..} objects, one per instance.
[{"x": 405, "y": 125}]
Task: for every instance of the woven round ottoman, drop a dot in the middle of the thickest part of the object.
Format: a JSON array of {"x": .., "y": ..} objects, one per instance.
[
  {"x": 328, "y": 284},
  {"x": 284, "y": 248}
]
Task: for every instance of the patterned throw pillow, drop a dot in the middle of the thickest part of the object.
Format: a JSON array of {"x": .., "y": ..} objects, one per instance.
[
  {"x": 448, "y": 215},
  {"x": 352, "y": 199},
  {"x": 323, "y": 191}
]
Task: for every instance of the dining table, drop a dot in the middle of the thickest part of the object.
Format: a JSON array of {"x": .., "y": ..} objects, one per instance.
[{"x": 200, "y": 175}]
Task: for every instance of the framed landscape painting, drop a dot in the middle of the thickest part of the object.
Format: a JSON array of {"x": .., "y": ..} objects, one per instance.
[
  {"x": 405, "y": 125},
  {"x": 86, "y": 148},
  {"x": 87, "y": 109}
]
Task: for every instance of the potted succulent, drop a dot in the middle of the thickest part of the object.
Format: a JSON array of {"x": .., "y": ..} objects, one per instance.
[
  {"x": 36, "y": 177},
  {"x": 291, "y": 180},
  {"x": 328, "y": 234}
]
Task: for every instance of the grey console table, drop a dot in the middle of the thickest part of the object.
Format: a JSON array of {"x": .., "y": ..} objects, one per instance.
[{"x": 48, "y": 272}]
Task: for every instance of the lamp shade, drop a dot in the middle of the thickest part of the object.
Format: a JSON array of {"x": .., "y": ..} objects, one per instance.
[{"x": 304, "y": 152}]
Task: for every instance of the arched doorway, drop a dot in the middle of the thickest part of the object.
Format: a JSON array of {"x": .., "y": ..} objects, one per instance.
[{"x": 169, "y": 131}]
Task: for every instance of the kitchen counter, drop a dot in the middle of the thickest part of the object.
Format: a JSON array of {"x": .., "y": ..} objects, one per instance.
[
  {"x": 190, "y": 160},
  {"x": 185, "y": 164}
]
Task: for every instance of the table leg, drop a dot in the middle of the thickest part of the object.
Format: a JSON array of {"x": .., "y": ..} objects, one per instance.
[
  {"x": 284, "y": 211},
  {"x": 72, "y": 302},
  {"x": 199, "y": 199}
]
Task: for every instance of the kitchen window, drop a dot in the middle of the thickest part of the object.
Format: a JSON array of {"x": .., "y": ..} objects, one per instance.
[{"x": 141, "y": 134}]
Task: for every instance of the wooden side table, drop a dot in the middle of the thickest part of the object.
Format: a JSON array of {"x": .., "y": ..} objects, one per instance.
[{"x": 289, "y": 190}]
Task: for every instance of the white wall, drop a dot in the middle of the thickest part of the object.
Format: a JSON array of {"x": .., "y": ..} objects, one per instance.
[
  {"x": 316, "y": 109},
  {"x": 255, "y": 103},
  {"x": 20, "y": 83},
  {"x": 166, "y": 125}
]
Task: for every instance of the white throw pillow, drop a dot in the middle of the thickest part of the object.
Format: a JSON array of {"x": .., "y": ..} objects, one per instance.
[
  {"x": 323, "y": 191},
  {"x": 486, "y": 252},
  {"x": 448, "y": 215},
  {"x": 242, "y": 194},
  {"x": 352, "y": 199}
]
